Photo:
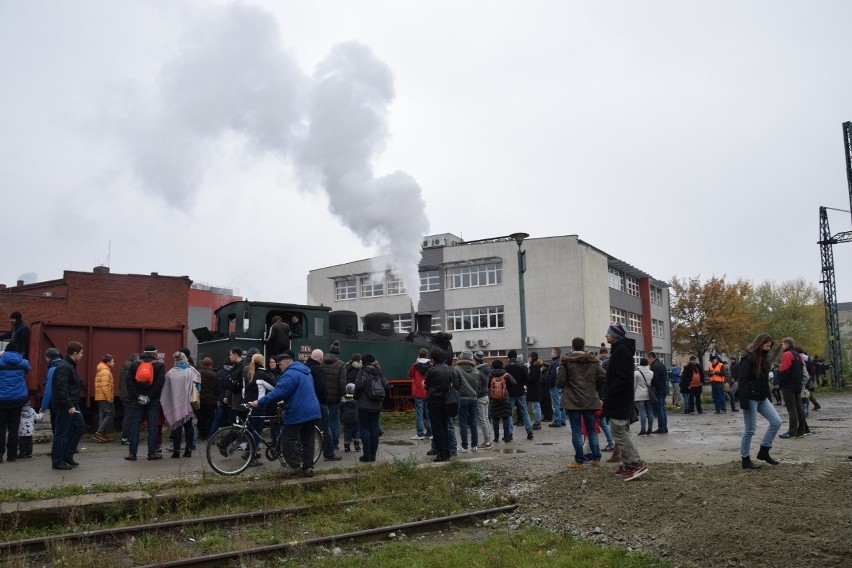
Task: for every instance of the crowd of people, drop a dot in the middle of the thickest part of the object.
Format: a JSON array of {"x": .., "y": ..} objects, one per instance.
[{"x": 603, "y": 392}]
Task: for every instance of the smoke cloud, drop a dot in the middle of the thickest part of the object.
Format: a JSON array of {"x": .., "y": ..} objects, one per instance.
[{"x": 232, "y": 78}]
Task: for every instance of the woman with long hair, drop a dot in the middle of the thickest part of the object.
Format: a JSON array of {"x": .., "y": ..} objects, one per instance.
[
  {"x": 256, "y": 384},
  {"x": 753, "y": 376}
]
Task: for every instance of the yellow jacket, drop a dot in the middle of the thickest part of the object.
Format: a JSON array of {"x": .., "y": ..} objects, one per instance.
[{"x": 104, "y": 383}]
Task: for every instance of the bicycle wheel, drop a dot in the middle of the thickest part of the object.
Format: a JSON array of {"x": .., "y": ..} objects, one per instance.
[{"x": 230, "y": 450}]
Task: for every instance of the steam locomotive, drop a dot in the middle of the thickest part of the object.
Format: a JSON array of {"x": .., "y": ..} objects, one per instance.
[{"x": 246, "y": 324}]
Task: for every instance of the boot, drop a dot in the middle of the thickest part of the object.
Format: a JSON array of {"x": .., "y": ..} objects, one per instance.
[
  {"x": 347, "y": 448},
  {"x": 748, "y": 464},
  {"x": 763, "y": 455},
  {"x": 616, "y": 455},
  {"x": 187, "y": 453},
  {"x": 357, "y": 445}
]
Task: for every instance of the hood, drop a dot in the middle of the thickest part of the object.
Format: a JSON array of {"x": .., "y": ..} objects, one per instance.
[
  {"x": 298, "y": 367},
  {"x": 497, "y": 372},
  {"x": 466, "y": 363},
  {"x": 329, "y": 358},
  {"x": 11, "y": 358},
  {"x": 580, "y": 357},
  {"x": 540, "y": 363}
]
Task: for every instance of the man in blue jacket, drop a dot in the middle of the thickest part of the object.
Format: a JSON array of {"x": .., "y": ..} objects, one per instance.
[
  {"x": 13, "y": 396},
  {"x": 295, "y": 387}
]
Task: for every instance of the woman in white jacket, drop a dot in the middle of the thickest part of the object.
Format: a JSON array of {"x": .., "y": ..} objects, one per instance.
[{"x": 642, "y": 380}]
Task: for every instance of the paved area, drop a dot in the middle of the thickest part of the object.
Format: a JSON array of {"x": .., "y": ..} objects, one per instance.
[{"x": 707, "y": 439}]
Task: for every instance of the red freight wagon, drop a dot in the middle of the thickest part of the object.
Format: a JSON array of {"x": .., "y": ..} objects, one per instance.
[{"x": 97, "y": 340}]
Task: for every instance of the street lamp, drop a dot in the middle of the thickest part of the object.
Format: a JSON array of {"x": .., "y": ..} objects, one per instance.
[{"x": 519, "y": 238}]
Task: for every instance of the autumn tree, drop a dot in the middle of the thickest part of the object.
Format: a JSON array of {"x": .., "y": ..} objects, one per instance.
[
  {"x": 712, "y": 314},
  {"x": 793, "y": 308}
]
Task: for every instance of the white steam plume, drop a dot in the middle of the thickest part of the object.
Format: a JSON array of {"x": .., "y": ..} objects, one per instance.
[
  {"x": 349, "y": 97},
  {"x": 232, "y": 78}
]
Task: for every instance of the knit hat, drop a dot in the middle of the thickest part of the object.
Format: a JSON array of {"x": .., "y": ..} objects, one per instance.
[
  {"x": 180, "y": 357},
  {"x": 466, "y": 356},
  {"x": 52, "y": 353},
  {"x": 617, "y": 331},
  {"x": 150, "y": 348},
  {"x": 368, "y": 359},
  {"x": 479, "y": 356},
  {"x": 512, "y": 354},
  {"x": 285, "y": 355},
  {"x": 253, "y": 351},
  {"x": 350, "y": 388},
  {"x": 207, "y": 363},
  {"x": 713, "y": 356},
  {"x": 335, "y": 347}
]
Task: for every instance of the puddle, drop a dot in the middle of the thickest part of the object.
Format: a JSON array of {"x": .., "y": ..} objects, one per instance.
[{"x": 512, "y": 451}]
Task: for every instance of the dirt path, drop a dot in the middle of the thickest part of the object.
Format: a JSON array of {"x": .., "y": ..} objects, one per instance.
[{"x": 697, "y": 506}]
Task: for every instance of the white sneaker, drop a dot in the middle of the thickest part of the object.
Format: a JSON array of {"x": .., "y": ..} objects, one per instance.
[
  {"x": 474, "y": 449},
  {"x": 461, "y": 450},
  {"x": 417, "y": 438}
]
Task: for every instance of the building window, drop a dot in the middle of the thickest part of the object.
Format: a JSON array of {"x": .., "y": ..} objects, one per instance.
[
  {"x": 395, "y": 285},
  {"x": 657, "y": 328},
  {"x": 473, "y": 276},
  {"x": 639, "y": 355},
  {"x": 402, "y": 323},
  {"x": 430, "y": 281},
  {"x": 657, "y": 295},
  {"x": 372, "y": 288},
  {"x": 632, "y": 286},
  {"x": 345, "y": 290},
  {"x": 617, "y": 316},
  {"x": 634, "y": 323},
  {"x": 475, "y": 318},
  {"x": 616, "y": 279}
]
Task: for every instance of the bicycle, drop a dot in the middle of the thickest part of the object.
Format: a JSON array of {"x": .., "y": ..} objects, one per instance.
[{"x": 231, "y": 449}]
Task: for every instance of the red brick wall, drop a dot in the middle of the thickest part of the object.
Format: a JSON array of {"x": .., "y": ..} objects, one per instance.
[{"x": 102, "y": 299}]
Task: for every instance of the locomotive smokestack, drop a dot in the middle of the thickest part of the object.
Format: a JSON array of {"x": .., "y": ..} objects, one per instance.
[{"x": 424, "y": 323}]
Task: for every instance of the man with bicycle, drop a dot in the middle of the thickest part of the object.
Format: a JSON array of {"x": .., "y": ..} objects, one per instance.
[{"x": 295, "y": 387}]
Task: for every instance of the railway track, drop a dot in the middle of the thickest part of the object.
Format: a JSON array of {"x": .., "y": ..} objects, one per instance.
[{"x": 26, "y": 549}]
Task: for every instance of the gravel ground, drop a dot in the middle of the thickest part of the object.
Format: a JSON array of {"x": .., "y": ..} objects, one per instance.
[{"x": 697, "y": 506}]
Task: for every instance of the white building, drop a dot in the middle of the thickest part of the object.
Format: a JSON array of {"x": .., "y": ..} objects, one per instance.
[{"x": 471, "y": 289}]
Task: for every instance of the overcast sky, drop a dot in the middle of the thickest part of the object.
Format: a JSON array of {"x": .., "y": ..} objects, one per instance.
[{"x": 244, "y": 143}]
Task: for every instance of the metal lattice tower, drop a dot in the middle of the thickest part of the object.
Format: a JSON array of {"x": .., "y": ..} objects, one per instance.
[{"x": 829, "y": 287}]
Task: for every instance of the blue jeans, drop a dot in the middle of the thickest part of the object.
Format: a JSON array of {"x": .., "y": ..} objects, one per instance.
[
  {"x": 719, "y": 398},
  {"x": 369, "y": 424},
  {"x": 686, "y": 396},
  {"x": 334, "y": 423},
  {"x": 607, "y": 432},
  {"x": 588, "y": 416},
  {"x": 69, "y": 431},
  {"x": 224, "y": 416},
  {"x": 152, "y": 411},
  {"x": 662, "y": 417},
  {"x": 556, "y": 401},
  {"x": 520, "y": 403},
  {"x": 536, "y": 413},
  {"x": 750, "y": 408},
  {"x": 467, "y": 419},
  {"x": 421, "y": 414},
  {"x": 646, "y": 414}
]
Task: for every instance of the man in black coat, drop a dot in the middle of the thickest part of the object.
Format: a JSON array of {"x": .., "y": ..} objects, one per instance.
[
  {"x": 518, "y": 392},
  {"x": 314, "y": 363},
  {"x": 70, "y": 426},
  {"x": 618, "y": 401},
  {"x": 660, "y": 382},
  {"x": 19, "y": 334}
]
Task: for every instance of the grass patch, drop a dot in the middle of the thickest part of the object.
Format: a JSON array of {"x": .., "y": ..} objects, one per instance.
[{"x": 532, "y": 547}]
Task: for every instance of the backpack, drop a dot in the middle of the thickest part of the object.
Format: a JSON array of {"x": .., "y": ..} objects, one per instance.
[
  {"x": 144, "y": 373},
  {"x": 498, "y": 388},
  {"x": 376, "y": 388}
]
